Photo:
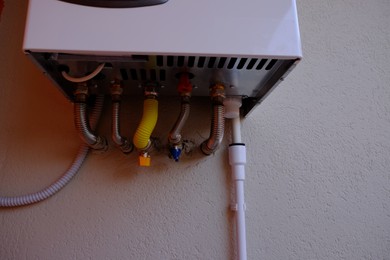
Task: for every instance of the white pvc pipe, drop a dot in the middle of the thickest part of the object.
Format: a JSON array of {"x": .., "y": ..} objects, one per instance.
[
  {"x": 236, "y": 130},
  {"x": 240, "y": 221},
  {"x": 237, "y": 161}
]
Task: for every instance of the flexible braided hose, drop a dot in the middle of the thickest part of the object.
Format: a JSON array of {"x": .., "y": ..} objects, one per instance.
[
  {"x": 118, "y": 139},
  {"x": 175, "y": 134},
  {"x": 82, "y": 126},
  {"x": 147, "y": 124},
  {"x": 217, "y": 130},
  {"x": 49, "y": 191}
]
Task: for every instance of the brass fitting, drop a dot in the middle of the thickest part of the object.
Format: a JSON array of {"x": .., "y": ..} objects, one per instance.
[
  {"x": 81, "y": 92},
  {"x": 116, "y": 91},
  {"x": 151, "y": 92},
  {"x": 217, "y": 93}
]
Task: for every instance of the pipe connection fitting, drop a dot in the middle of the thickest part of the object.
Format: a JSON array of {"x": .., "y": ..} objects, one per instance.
[
  {"x": 120, "y": 141},
  {"x": 217, "y": 93},
  {"x": 174, "y": 138},
  {"x": 145, "y": 128},
  {"x": 81, "y": 93},
  {"x": 116, "y": 91},
  {"x": 81, "y": 120}
]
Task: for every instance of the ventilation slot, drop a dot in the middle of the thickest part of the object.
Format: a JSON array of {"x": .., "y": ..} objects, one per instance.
[
  {"x": 170, "y": 61},
  {"x": 191, "y": 61},
  {"x": 201, "y": 61},
  {"x": 162, "y": 75},
  {"x": 142, "y": 74},
  {"x": 160, "y": 61},
  {"x": 180, "y": 61},
  {"x": 231, "y": 63},
  {"x": 241, "y": 63},
  {"x": 134, "y": 74},
  {"x": 211, "y": 63},
  {"x": 124, "y": 74},
  {"x": 153, "y": 75},
  {"x": 261, "y": 64},
  {"x": 221, "y": 62},
  {"x": 271, "y": 64},
  {"x": 251, "y": 64}
]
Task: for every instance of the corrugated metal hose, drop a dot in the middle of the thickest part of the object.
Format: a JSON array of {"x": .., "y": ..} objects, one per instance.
[
  {"x": 217, "y": 130},
  {"x": 49, "y": 191}
]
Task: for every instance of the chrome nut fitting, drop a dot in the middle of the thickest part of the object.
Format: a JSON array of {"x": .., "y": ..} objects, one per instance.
[{"x": 217, "y": 90}]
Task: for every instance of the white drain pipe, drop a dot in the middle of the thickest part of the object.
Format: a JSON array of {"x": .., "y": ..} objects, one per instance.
[{"x": 237, "y": 161}]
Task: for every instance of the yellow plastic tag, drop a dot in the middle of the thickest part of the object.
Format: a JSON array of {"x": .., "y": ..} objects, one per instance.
[{"x": 144, "y": 160}]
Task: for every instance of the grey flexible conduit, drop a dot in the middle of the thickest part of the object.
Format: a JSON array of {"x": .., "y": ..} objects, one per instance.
[
  {"x": 82, "y": 127},
  {"x": 61, "y": 182},
  {"x": 118, "y": 139},
  {"x": 217, "y": 130},
  {"x": 175, "y": 134}
]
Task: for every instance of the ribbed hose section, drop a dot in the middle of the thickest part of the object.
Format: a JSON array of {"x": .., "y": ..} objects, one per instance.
[
  {"x": 118, "y": 139},
  {"x": 82, "y": 127},
  {"x": 147, "y": 124},
  {"x": 28, "y": 199},
  {"x": 217, "y": 130},
  {"x": 175, "y": 134}
]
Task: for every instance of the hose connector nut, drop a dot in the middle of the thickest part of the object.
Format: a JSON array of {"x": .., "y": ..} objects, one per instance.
[
  {"x": 101, "y": 144},
  {"x": 116, "y": 88},
  {"x": 127, "y": 147},
  {"x": 151, "y": 92},
  {"x": 81, "y": 92},
  {"x": 184, "y": 87},
  {"x": 217, "y": 93},
  {"x": 82, "y": 88}
]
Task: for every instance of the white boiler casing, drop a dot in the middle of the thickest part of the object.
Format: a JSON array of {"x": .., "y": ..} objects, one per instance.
[{"x": 249, "y": 46}]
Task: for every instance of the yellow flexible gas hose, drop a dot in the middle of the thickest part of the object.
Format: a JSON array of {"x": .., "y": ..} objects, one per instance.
[{"x": 147, "y": 124}]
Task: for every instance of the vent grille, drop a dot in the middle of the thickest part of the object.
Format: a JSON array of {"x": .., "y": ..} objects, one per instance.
[
  {"x": 215, "y": 62},
  {"x": 160, "y": 64},
  {"x": 143, "y": 74}
]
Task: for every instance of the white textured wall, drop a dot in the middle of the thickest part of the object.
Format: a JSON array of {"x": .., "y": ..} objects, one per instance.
[{"x": 318, "y": 182}]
